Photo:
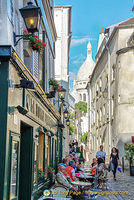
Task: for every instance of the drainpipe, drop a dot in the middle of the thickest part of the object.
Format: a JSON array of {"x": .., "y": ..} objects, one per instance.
[{"x": 109, "y": 103}]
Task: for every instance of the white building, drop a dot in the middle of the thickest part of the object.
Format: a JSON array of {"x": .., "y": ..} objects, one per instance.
[
  {"x": 79, "y": 87},
  {"x": 80, "y": 92},
  {"x": 62, "y": 19},
  {"x": 111, "y": 118}
]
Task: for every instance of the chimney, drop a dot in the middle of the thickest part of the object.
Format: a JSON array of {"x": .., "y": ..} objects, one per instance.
[{"x": 102, "y": 29}]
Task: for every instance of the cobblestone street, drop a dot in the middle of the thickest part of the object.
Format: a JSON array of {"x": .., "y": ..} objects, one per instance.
[{"x": 124, "y": 182}]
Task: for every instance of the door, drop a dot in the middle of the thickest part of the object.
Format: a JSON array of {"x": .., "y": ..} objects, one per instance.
[{"x": 26, "y": 162}]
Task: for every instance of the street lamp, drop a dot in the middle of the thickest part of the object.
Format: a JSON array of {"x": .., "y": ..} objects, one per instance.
[
  {"x": 105, "y": 93},
  {"x": 62, "y": 94},
  {"x": 31, "y": 16},
  {"x": 68, "y": 122},
  {"x": 66, "y": 114}
]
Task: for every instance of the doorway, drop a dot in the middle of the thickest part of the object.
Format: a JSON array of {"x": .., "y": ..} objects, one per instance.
[{"x": 26, "y": 162}]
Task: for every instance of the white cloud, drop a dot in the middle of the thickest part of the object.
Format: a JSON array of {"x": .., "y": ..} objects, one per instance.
[
  {"x": 79, "y": 59},
  {"x": 77, "y": 40},
  {"x": 71, "y": 76}
]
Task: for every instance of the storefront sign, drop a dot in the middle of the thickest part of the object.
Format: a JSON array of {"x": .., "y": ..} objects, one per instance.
[{"x": 33, "y": 107}]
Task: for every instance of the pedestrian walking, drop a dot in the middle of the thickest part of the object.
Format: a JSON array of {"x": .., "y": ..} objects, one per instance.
[
  {"x": 101, "y": 153},
  {"x": 114, "y": 158}
]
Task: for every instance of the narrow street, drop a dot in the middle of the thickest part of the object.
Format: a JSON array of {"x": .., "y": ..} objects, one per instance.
[{"x": 124, "y": 182}]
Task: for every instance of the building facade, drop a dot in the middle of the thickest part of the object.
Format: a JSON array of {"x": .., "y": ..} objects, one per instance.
[
  {"x": 29, "y": 133},
  {"x": 110, "y": 90},
  {"x": 80, "y": 92},
  {"x": 62, "y": 19}
]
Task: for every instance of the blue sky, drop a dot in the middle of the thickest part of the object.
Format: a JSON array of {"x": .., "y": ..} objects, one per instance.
[{"x": 88, "y": 18}]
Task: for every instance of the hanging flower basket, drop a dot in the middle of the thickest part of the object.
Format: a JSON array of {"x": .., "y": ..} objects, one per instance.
[
  {"x": 35, "y": 42},
  {"x": 54, "y": 86}
]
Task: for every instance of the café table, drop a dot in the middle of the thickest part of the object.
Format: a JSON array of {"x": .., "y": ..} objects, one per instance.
[
  {"x": 81, "y": 184},
  {"x": 85, "y": 178}
]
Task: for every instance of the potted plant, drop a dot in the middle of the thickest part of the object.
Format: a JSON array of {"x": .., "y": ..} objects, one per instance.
[
  {"x": 41, "y": 175},
  {"x": 50, "y": 172},
  {"x": 35, "y": 43},
  {"x": 54, "y": 86},
  {"x": 129, "y": 148}
]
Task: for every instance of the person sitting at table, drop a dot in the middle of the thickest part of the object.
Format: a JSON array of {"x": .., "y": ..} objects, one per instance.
[
  {"x": 78, "y": 170},
  {"x": 70, "y": 171},
  {"x": 62, "y": 180},
  {"x": 65, "y": 162},
  {"x": 93, "y": 166}
]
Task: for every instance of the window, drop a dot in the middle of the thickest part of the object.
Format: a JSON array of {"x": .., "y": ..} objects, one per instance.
[
  {"x": 97, "y": 118},
  {"x": 100, "y": 117},
  {"x": 35, "y": 173},
  {"x": 10, "y": 10},
  {"x": 41, "y": 147},
  {"x": 94, "y": 116},
  {"x": 112, "y": 106},
  {"x": 14, "y": 168},
  {"x": 100, "y": 84},
  {"x": 80, "y": 97},
  {"x": 113, "y": 72},
  {"x": 97, "y": 89},
  {"x": 84, "y": 97},
  {"x": 104, "y": 110}
]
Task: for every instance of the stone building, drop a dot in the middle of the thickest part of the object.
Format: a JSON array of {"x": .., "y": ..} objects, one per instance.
[
  {"x": 79, "y": 86},
  {"x": 110, "y": 90},
  {"x": 62, "y": 19},
  {"x": 29, "y": 135}
]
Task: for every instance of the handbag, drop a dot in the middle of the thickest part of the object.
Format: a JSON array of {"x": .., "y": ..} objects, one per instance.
[{"x": 110, "y": 166}]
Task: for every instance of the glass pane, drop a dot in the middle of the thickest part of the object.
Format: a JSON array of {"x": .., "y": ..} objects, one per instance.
[
  {"x": 35, "y": 163},
  {"x": 14, "y": 169}
]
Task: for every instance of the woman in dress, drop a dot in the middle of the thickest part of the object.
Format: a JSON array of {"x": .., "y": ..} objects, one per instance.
[{"x": 114, "y": 157}]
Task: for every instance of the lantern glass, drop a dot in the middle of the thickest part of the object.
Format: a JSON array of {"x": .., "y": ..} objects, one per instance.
[
  {"x": 105, "y": 93},
  {"x": 66, "y": 114},
  {"x": 62, "y": 93},
  {"x": 31, "y": 17},
  {"x": 68, "y": 122}
]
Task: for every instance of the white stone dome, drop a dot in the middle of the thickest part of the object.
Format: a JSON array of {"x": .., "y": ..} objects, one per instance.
[{"x": 87, "y": 67}]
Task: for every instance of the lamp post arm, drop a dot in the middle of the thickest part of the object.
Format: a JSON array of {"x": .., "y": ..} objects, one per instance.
[{"x": 20, "y": 37}]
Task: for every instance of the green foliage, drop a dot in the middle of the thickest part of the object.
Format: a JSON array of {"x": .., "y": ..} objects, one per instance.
[
  {"x": 129, "y": 148},
  {"x": 72, "y": 116},
  {"x": 71, "y": 129},
  {"x": 81, "y": 106},
  {"x": 54, "y": 84},
  {"x": 84, "y": 137}
]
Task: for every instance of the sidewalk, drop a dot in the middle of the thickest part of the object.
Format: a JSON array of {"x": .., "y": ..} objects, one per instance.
[{"x": 124, "y": 182}]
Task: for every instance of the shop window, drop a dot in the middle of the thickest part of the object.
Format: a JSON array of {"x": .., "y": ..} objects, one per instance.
[
  {"x": 41, "y": 148},
  {"x": 14, "y": 168},
  {"x": 49, "y": 151},
  {"x": 46, "y": 154},
  {"x": 35, "y": 162}
]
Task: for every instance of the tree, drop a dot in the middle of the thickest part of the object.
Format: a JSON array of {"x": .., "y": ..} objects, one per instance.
[
  {"x": 81, "y": 106},
  {"x": 84, "y": 137}
]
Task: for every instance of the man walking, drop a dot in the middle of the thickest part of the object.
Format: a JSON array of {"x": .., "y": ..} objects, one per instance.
[{"x": 101, "y": 153}]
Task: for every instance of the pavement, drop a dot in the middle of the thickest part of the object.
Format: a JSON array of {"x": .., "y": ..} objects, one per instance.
[{"x": 124, "y": 183}]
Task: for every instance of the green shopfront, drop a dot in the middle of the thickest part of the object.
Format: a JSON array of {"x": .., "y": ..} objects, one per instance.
[{"x": 29, "y": 135}]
